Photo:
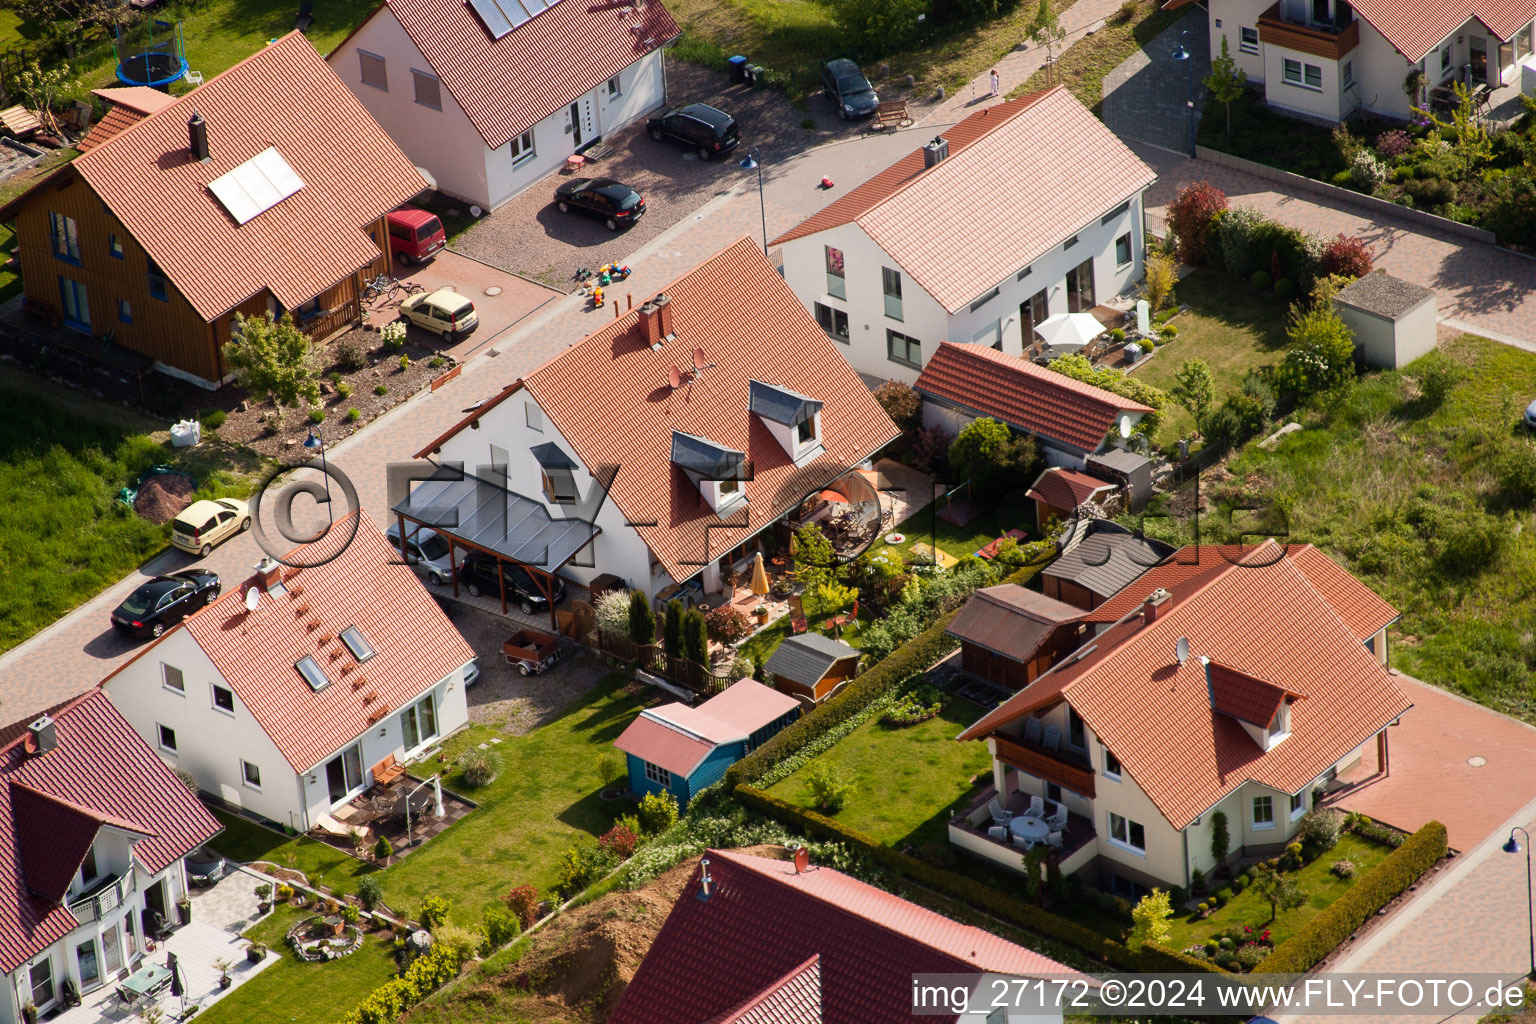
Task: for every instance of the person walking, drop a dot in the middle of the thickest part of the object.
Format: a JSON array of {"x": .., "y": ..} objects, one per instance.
[{"x": 997, "y": 84}]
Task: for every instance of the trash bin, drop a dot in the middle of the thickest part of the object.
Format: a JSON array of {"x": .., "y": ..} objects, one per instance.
[
  {"x": 756, "y": 76},
  {"x": 738, "y": 68}
]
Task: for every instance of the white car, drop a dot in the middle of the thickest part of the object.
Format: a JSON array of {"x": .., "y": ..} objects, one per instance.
[
  {"x": 444, "y": 312},
  {"x": 426, "y": 550}
]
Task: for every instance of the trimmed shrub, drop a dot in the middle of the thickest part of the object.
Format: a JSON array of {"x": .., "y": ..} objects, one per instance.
[
  {"x": 1343, "y": 869},
  {"x": 1350, "y": 257},
  {"x": 658, "y": 812},
  {"x": 1284, "y": 289},
  {"x": 434, "y": 911},
  {"x": 1192, "y": 215},
  {"x": 426, "y": 975},
  {"x": 727, "y": 624},
  {"x": 1239, "y": 884},
  {"x": 1157, "y": 959},
  {"x": 1223, "y": 896},
  {"x": 1377, "y": 832},
  {"x": 500, "y": 927},
  {"x": 1260, "y": 280},
  {"x": 1197, "y": 880},
  {"x": 1371, "y": 891},
  {"x": 1317, "y": 833}
]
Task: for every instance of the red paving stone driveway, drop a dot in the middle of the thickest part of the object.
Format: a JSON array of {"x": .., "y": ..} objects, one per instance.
[
  {"x": 1431, "y": 778},
  {"x": 501, "y": 299}
]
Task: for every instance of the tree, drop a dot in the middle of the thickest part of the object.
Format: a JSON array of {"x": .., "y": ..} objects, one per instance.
[
  {"x": 672, "y": 630},
  {"x": 1161, "y": 276},
  {"x": 1194, "y": 388},
  {"x": 828, "y": 788},
  {"x": 274, "y": 361},
  {"x": 1469, "y": 136},
  {"x": 1321, "y": 358},
  {"x": 1221, "y": 841},
  {"x": 695, "y": 637},
  {"x": 41, "y": 88},
  {"x": 1280, "y": 890},
  {"x": 901, "y": 403},
  {"x": 1151, "y": 915},
  {"x": 884, "y": 23},
  {"x": 991, "y": 456},
  {"x": 1046, "y": 31},
  {"x": 642, "y": 621},
  {"x": 1226, "y": 81},
  {"x": 1191, "y": 215}
]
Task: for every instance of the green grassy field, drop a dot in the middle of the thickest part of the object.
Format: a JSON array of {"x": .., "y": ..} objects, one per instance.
[
  {"x": 1232, "y": 327},
  {"x": 909, "y": 781},
  {"x": 312, "y": 993},
  {"x": 1083, "y": 67}
]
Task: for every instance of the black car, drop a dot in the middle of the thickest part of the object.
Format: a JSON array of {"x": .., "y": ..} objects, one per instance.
[
  {"x": 164, "y": 601},
  {"x": 478, "y": 572},
  {"x": 710, "y": 131},
  {"x": 850, "y": 92},
  {"x": 615, "y": 202},
  {"x": 204, "y": 867}
]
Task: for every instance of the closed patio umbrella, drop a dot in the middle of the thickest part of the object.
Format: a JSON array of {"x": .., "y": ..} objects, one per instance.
[
  {"x": 759, "y": 575},
  {"x": 1069, "y": 329},
  {"x": 178, "y": 987}
]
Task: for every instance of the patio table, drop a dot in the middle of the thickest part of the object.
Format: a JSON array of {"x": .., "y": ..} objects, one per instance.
[
  {"x": 147, "y": 980},
  {"x": 1028, "y": 830}
]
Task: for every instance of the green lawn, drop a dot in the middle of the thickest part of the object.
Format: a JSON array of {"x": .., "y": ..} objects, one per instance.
[
  {"x": 1232, "y": 327},
  {"x": 544, "y": 798},
  {"x": 1316, "y": 880},
  {"x": 1012, "y": 511},
  {"x": 909, "y": 781},
  {"x": 1083, "y": 67},
  {"x": 310, "y": 993}
]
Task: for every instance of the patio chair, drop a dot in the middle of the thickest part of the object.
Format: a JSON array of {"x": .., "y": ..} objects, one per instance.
[
  {"x": 1052, "y": 738},
  {"x": 1000, "y": 814},
  {"x": 1054, "y": 840},
  {"x": 1058, "y": 820},
  {"x": 797, "y": 623},
  {"x": 1036, "y": 807},
  {"x": 998, "y": 832},
  {"x": 1032, "y": 730}
]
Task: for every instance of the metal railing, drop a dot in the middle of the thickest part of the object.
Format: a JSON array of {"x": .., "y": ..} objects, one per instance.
[{"x": 105, "y": 899}]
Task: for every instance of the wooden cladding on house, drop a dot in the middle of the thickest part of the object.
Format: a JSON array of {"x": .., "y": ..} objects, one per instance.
[
  {"x": 1044, "y": 766},
  {"x": 1318, "y": 42}
]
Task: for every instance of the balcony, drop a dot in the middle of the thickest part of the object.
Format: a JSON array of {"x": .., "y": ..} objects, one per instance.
[
  {"x": 1328, "y": 43},
  {"x": 1059, "y": 766},
  {"x": 968, "y": 830},
  {"x": 103, "y": 898}
]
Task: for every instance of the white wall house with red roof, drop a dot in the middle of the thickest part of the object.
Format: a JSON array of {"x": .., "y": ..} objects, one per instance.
[
  {"x": 285, "y": 711},
  {"x": 975, "y": 239},
  {"x": 93, "y": 829},
  {"x": 1231, "y": 682},
  {"x": 1334, "y": 58},
  {"x": 489, "y": 97},
  {"x": 660, "y": 448}
]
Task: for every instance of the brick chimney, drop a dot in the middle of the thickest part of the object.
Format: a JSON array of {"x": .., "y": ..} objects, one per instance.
[
  {"x": 267, "y": 571},
  {"x": 1152, "y": 607},
  {"x": 650, "y": 325},
  {"x": 663, "y": 304}
]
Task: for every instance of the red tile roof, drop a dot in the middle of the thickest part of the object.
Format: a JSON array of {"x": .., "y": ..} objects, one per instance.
[
  {"x": 100, "y": 773},
  {"x": 508, "y": 85},
  {"x": 678, "y": 737},
  {"x": 283, "y": 96},
  {"x": 921, "y": 218},
  {"x": 792, "y": 999},
  {"x": 1244, "y": 697},
  {"x": 1011, "y": 620},
  {"x": 1361, "y": 608},
  {"x": 1024, "y": 395},
  {"x": 130, "y": 105},
  {"x": 1064, "y": 488},
  {"x": 415, "y": 646},
  {"x": 761, "y": 923},
  {"x": 1263, "y": 618},
  {"x": 608, "y": 397}
]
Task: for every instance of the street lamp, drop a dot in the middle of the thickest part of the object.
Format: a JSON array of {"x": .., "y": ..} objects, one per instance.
[
  {"x": 754, "y": 162},
  {"x": 1183, "y": 56},
  {"x": 1513, "y": 846},
  {"x": 312, "y": 442}
]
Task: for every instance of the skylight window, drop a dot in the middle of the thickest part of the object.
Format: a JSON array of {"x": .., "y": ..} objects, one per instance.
[
  {"x": 356, "y": 643},
  {"x": 502, "y": 16},
  {"x": 256, "y": 186},
  {"x": 309, "y": 668}
]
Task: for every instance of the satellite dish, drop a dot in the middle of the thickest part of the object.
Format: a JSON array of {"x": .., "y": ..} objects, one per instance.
[
  {"x": 1125, "y": 426},
  {"x": 674, "y": 378},
  {"x": 252, "y": 598},
  {"x": 1181, "y": 649},
  {"x": 700, "y": 360}
]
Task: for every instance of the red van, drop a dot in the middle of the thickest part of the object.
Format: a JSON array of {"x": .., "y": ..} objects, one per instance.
[{"x": 414, "y": 235}]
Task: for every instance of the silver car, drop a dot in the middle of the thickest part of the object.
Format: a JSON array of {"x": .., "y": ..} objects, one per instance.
[{"x": 426, "y": 549}]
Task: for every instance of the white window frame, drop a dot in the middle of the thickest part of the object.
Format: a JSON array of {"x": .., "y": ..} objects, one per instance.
[
  {"x": 1112, "y": 773},
  {"x": 615, "y": 86},
  {"x": 522, "y": 148},
  {"x": 213, "y": 696},
  {"x": 1259, "y": 824},
  {"x": 1125, "y": 843},
  {"x": 659, "y": 775},
  {"x": 160, "y": 730},
  {"x": 246, "y": 768},
  {"x": 1286, "y": 63},
  {"x": 1299, "y": 802},
  {"x": 165, "y": 679},
  {"x": 363, "y": 56},
  {"x": 1306, "y": 75},
  {"x": 417, "y": 78},
  {"x": 1243, "y": 45}
]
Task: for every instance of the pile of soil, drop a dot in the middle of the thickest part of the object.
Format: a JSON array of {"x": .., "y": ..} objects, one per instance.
[{"x": 162, "y": 496}]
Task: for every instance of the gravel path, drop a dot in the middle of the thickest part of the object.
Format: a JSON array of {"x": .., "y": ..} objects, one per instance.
[{"x": 514, "y": 703}]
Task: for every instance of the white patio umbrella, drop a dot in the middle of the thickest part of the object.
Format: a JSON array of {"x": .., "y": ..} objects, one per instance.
[{"x": 1069, "y": 329}]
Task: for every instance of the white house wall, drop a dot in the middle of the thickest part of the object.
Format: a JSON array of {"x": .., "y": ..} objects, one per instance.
[
  {"x": 210, "y": 742},
  {"x": 924, "y": 318},
  {"x": 1234, "y": 15},
  {"x": 444, "y": 141}
]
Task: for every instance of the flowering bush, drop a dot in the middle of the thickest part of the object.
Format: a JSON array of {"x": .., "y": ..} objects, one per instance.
[
  {"x": 1350, "y": 257},
  {"x": 727, "y": 624},
  {"x": 1343, "y": 869},
  {"x": 619, "y": 839},
  {"x": 1191, "y": 216},
  {"x": 523, "y": 901},
  {"x": 612, "y": 609},
  {"x": 393, "y": 334},
  {"x": 1366, "y": 172},
  {"x": 1392, "y": 143}
]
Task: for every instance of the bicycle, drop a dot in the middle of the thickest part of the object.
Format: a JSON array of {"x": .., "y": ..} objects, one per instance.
[{"x": 383, "y": 288}]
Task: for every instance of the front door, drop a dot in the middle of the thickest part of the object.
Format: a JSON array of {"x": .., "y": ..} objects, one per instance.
[
  {"x": 344, "y": 773},
  {"x": 112, "y": 949},
  {"x": 1479, "y": 60},
  {"x": 583, "y": 122}
]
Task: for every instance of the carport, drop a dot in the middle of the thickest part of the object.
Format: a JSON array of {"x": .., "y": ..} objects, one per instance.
[{"x": 482, "y": 515}]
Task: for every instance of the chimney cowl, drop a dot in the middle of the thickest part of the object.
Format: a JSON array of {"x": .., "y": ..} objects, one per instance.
[
  {"x": 268, "y": 571},
  {"x": 197, "y": 137},
  {"x": 42, "y": 736},
  {"x": 935, "y": 151}
]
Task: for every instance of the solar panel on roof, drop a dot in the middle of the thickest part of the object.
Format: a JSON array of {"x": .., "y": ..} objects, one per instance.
[
  {"x": 495, "y": 22},
  {"x": 256, "y": 186},
  {"x": 518, "y": 12}
]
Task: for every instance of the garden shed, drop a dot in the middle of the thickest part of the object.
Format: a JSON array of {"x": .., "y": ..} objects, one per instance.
[
  {"x": 1394, "y": 321},
  {"x": 811, "y": 666}
]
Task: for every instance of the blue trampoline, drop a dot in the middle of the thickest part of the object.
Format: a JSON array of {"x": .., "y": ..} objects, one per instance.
[{"x": 153, "y": 53}]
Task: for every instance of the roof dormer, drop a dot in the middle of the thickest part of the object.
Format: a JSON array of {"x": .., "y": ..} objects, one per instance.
[
  {"x": 1261, "y": 708},
  {"x": 793, "y": 419},
  {"x": 557, "y": 472},
  {"x": 718, "y": 472}
]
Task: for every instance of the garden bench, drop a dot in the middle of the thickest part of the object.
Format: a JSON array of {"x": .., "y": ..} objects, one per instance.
[
  {"x": 891, "y": 114},
  {"x": 387, "y": 771}
]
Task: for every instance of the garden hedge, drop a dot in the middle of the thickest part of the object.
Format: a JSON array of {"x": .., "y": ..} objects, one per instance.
[
  {"x": 1157, "y": 959},
  {"x": 1373, "y": 890},
  {"x": 915, "y": 655},
  {"x": 978, "y": 894}
]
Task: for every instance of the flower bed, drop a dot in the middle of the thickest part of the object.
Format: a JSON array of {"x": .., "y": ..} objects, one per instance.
[
  {"x": 921, "y": 704},
  {"x": 316, "y": 939}
]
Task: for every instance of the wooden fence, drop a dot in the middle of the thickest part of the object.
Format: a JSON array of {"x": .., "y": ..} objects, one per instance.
[{"x": 701, "y": 679}]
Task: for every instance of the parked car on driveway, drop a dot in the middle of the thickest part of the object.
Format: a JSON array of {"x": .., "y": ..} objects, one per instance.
[
  {"x": 701, "y": 127},
  {"x": 205, "y": 523},
  {"x": 850, "y": 92},
  {"x": 615, "y": 203},
  {"x": 444, "y": 312},
  {"x": 159, "y": 604},
  {"x": 478, "y": 573},
  {"x": 414, "y": 235},
  {"x": 204, "y": 867},
  {"x": 426, "y": 549}
]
